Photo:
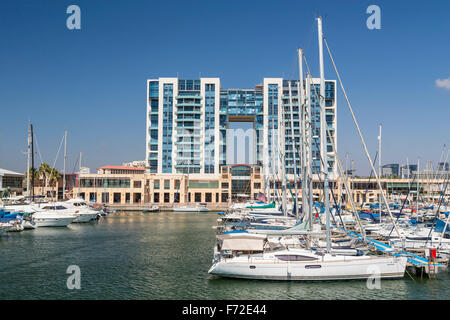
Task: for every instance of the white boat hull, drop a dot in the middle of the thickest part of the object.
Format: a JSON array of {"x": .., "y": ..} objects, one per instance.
[
  {"x": 85, "y": 217},
  {"x": 340, "y": 269},
  {"x": 54, "y": 222}
]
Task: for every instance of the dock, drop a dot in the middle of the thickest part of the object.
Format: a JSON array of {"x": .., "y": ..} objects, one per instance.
[{"x": 416, "y": 264}]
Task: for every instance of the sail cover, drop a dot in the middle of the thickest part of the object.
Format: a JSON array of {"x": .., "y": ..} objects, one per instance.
[{"x": 240, "y": 244}]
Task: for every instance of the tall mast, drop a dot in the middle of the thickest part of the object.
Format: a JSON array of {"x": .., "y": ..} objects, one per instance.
[
  {"x": 417, "y": 182},
  {"x": 273, "y": 152},
  {"x": 281, "y": 144},
  {"x": 28, "y": 158},
  {"x": 379, "y": 168},
  {"x": 307, "y": 154},
  {"x": 294, "y": 145},
  {"x": 32, "y": 161},
  {"x": 323, "y": 137},
  {"x": 64, "y": 169},
  {"x": 79, "y": 176}
]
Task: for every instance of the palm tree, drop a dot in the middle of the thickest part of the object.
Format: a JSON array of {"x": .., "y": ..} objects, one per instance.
[
  {"x": 5, "y": 193},
  {"x": 54, "y": 176},
  {"x": 44, "y": 172}
]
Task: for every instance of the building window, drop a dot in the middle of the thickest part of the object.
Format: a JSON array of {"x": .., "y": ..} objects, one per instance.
[
  {"x": 224, "y": 197},
  {"x": 176, "y": 198},
  {"x": 217, "y": 197},
  {"x": 117, "y": 197},
  {"x": 156, "y": 184},
  {"x": 166, "y": 197},
  {"x": 167, "y": 184},
  {"x": 224, "y": 185},
  {"x": 105, "y": 197},
  {"x": 257, "y": 185},
  {"x": 137, "y": 184},
  {"x": 127, "y": 197},
  {"x": 208, "y": 197},
  {"x": 198, "y": 197},
  {"x": 156, "y": 197}
]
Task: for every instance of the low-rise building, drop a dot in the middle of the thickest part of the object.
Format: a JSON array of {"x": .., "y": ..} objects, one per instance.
[{"x": 12, "y": 180}]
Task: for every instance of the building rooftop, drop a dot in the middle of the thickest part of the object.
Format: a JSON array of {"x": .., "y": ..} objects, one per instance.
[
  {"x": 10, "y": 173},
  {"x": 122, "y": 168}
]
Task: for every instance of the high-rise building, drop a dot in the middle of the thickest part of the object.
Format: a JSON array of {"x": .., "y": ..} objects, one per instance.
[
  {"x": 389, "y": 170},
  {"x": 188, "y": 125}
]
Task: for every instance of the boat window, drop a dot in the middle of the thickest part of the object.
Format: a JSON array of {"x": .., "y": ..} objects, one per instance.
[
  {"x": 313, "y": 266},
  {"x": 54, "y": 208},
  {"x": 295, "y": 257}
]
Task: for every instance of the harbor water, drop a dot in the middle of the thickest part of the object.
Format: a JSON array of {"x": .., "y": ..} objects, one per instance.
[{"x": 166, "y": 255}]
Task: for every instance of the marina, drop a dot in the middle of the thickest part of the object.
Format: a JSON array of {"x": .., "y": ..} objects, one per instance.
[
  {"x": 130, "y": 255},
  {"x": 233, "y": 191}
]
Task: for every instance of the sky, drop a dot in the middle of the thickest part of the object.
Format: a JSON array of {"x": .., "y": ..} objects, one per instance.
[{"x": 92, "y": 81}]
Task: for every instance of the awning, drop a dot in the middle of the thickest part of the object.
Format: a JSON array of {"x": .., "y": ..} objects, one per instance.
[{"x": 237, "y": 244}]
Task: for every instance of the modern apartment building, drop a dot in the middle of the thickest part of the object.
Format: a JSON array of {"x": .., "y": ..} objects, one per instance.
[{"x": 188, "y": 125}]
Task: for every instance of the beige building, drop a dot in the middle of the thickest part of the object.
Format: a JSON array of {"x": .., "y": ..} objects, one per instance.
[
  {"x": 125, "y": 185},
  {"x": 131, "y": 185}
]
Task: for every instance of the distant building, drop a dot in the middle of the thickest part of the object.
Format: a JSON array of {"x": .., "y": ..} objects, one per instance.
[
  {"x": 12, "y": 180},
  {"x": 85, "y": 170},
  {"x": 139, "y": 163},
  {"x": 120, "y": 170},
  {"x": 443, "y": 166},
  {"x": 389, "y": 170},
  {"x": 407, "y": 171}
]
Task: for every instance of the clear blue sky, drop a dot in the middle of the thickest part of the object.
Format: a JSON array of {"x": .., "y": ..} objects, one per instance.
[{"x": 92, "y": 81}]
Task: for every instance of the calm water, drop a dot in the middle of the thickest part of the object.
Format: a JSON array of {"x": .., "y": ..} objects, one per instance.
[{"x": 158, "y": 256}]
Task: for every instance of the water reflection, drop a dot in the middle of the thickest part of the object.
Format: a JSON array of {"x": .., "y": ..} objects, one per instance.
[{"x": 158, "y": 256}]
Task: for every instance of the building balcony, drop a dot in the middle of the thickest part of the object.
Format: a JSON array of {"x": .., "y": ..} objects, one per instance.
[
  {"x": 189, "y": 97},
  {"x": 188, "y": 104},
  {"x": 191, "y": 165},
  {"x": 187, "y": 127},
  {"x": 187, "y": 119},
  {"x": 181, "y": 159},
  {"x": 187, "y": 142},
  {"x": 188, "y": 112}
]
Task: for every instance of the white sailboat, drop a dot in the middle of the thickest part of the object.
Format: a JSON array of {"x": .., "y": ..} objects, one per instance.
[{"x": 252, "y": 256}]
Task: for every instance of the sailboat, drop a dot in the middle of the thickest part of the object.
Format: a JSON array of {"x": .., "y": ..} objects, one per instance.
[
  {"x": 253, "y": 256},
  {"x": 250, "y": 256}
]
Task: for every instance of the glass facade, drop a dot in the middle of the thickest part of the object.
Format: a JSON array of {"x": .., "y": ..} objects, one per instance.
[
  {"x": 241, "y": 103},
  {"x": 210, "y": 117},
  {"x": 273, "y": 128},
  {"x": 186, "y": 110},
  {"x": 167, "y": 128},
  {"x": 153, "y": 129},
  {"x": 188, "y": 127}
]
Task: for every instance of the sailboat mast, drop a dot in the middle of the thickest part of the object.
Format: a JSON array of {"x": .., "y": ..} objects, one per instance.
[
  {"x": 273, "y": 153},
  {"x": 281, "y": 143},
  {"x": 79, "y": 176},
  {"x": 32, "y": 161},
  {"x": 64, "y": 169},
  {"x": 28, "y": 158},
  {"x": 379, "y": 167},
  {"x": 323, "y": 137},
  {"x": 307, "y": 154},
  {"x": 294, "y": 146}
]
